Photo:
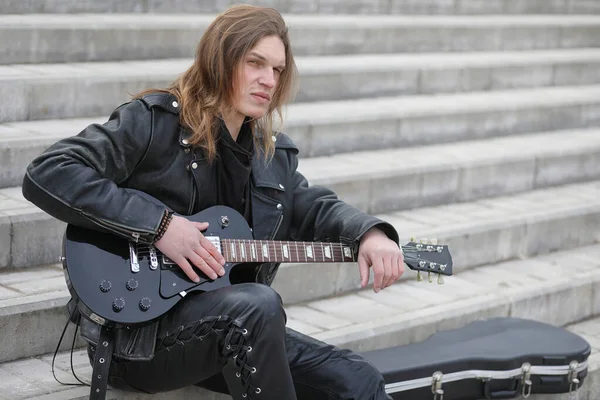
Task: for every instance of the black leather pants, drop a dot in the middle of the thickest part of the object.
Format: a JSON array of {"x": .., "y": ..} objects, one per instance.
[{"x": 233, "y": 340}]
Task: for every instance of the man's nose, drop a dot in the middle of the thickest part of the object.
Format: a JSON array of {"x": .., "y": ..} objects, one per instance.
[{"x": 268, "y": 78}]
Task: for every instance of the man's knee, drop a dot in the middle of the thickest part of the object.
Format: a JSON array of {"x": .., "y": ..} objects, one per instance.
[
  {"x": 358, "y": 379},
  {"x": 257, "y": 300},
  {"x": 366, "y": 381}
]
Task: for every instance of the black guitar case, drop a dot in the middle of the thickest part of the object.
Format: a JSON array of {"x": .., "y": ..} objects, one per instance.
[{"x": 503, "y": 358}]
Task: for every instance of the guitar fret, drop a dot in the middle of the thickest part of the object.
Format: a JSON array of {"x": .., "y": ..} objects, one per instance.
[{"x": 253, "y": 250}]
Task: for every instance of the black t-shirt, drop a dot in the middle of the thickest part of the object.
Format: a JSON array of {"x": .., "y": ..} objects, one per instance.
[{"x": 234, "y": 165}]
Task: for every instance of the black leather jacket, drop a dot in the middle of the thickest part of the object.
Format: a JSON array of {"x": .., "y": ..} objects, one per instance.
[{"x": 79, "y": 180}]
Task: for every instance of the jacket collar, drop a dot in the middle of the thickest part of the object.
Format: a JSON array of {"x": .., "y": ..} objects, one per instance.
[{"x": 165, "y": 101}]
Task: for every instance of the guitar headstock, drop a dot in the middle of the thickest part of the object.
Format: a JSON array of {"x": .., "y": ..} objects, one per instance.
[{"x": 428, "y": 256}]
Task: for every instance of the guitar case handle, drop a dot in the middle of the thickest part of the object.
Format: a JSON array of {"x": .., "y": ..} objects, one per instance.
[
  {"x": 490, "y": 394},
  {"x": 102, "y": 360}
]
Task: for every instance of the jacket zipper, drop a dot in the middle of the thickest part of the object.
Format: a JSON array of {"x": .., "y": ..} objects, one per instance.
[
  {"x": 194, "y": 190},
  {"x": 114, "y": 228},
  {"x": 192, "y": 197},
  {"x": 132, "y": 342},
  {"x": 277, "y": 226},
  {"x": 279, "y": 221}
]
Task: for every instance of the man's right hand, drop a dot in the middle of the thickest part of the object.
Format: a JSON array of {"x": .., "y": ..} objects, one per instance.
[{"x": 183, "y": 243}]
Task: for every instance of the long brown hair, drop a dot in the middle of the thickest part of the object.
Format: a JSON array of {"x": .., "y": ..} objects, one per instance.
[{"x": 207, "y": 86}]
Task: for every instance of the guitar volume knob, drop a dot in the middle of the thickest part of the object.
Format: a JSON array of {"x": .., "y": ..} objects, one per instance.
[
  {"x": 145, "y": 304},
  {"x": 118, "y": 304},
  {"x": 105, "y": 286},
  {"x": 132, "y": 284}
]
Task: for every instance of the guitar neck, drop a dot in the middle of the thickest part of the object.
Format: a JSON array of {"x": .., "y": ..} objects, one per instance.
[{"x": 234, "y": 250}]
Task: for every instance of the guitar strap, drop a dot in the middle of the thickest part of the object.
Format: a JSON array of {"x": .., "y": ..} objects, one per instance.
[{"x": 102, "y": 359}]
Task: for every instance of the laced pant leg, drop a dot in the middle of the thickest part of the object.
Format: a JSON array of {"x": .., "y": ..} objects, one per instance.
[
  {"x": 238, "y": 331},
  {"x": 323, "y": 372}
]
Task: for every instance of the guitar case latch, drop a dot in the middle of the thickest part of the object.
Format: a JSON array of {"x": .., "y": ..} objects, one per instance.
[
  {"x": 436, "y": 386},
  {"x": 526, "y": 380},
  {"x": 572, "y": 377}
]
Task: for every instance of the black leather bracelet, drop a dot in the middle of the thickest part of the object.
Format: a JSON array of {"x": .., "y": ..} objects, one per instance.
[{"x": 164, "y": 224}]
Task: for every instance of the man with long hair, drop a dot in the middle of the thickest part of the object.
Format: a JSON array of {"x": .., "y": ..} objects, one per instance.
[{"x": 208, "y": 139}]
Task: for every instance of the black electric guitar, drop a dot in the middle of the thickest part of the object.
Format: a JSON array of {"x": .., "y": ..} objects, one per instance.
[{"x": 119, "y": 282}]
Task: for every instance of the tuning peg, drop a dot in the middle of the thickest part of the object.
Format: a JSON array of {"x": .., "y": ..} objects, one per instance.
[
  {"x": 429, "y": 277},
  {"x": 423, "y": 240},
  {"x": 440, "y": 279},
  {"x": 412, "y": 238},
  {"x": 419, "y": 277},
  {"x": 433, "y": 241}
]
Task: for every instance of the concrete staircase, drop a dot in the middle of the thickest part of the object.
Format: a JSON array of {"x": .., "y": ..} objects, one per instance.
[{"x": 476, "y": 122}]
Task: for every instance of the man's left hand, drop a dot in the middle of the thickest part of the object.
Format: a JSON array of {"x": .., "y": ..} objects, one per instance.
[{"x": 380, "y": 252}]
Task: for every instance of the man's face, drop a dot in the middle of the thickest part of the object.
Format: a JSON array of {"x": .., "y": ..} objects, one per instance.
[{"x": 260, "y": 71}]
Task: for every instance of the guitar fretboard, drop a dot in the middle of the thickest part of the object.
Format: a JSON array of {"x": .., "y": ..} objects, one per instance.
[{"x": 282, "y": 251}]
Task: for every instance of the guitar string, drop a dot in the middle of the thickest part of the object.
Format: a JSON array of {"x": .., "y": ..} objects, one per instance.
[
  {"x": 144, "y": 250},
  {"x": 279, "y": 256},
  {"x": 317, "y": 253}
]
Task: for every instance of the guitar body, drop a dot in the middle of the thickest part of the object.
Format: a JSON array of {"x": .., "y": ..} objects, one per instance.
[{"x": 99, "y": 272}]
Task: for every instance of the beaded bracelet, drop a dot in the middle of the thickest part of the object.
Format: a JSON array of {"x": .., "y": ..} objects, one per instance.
[{"x": 164, "y": 224}]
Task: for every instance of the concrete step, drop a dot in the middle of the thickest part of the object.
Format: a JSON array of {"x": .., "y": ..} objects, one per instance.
[
  {"x": 405, "y": 178},
  {"x": 470, "y": 7},
  {"x": 410, "y": 311},
  {"x": 90, "y": 89},
  {"x": 49, "y": 38},
  {"x": 478, "y": 233},
  {"x": 401, "y": 314},
  {"x": 326, "y": 128},
  {"x": 375, "y": 182}
]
